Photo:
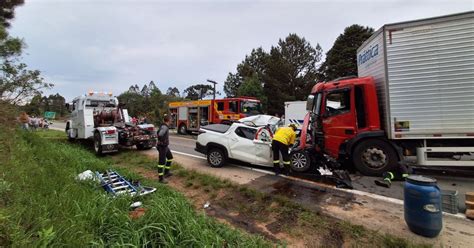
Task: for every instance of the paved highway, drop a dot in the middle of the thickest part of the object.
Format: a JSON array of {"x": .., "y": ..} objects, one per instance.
[{"x": 183, "y": 145}]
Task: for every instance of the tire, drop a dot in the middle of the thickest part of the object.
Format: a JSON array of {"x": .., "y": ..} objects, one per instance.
[
  {"x": 373, "y": 157},
  {"x": 69, "y": 138},
  {"x": 142, "y": 147},
  {"x": 216, "y": 157},
  {"x": 97, "y": 144},
  {"x": 300, "y": 161},
  {"x": 182, "y": 129}
]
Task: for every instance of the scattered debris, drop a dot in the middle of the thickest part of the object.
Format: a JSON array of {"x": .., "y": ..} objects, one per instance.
[
  {"x": 114, "y": 183},
  {"x": 86, "y": 175},
  {"x": 470, "y": 205},
  {"x": 325, "y": 171},
  {"x": 136, "y": 204},
  {"x": 137, "y": 213},
  {"x": 342, "y": 178},
  {"x": 207, "y": 205}
]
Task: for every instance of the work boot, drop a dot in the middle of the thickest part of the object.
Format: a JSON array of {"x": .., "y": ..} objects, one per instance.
[
  {"x": 276, "y": 168},
  {"x": 383, "y": 183},
  {"x": 168, "y": 173},
  {"x": 161, "y": 179}
]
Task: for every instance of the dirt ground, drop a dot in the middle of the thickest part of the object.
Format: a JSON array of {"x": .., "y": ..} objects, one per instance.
[{"x": 371, "y": 213}]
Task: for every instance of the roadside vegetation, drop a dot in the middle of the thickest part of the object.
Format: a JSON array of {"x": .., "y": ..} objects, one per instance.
[
  {"x": 41, "y": 204},
  {"x": 275, "y": 217}
]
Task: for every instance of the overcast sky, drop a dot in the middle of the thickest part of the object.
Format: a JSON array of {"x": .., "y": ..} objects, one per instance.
[{"x": 107, "y": 45}]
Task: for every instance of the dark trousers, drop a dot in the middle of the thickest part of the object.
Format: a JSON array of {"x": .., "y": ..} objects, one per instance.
[
  {"x": 278, "y": 147},
  {"x": 398, "y": 175},
  {"x": 164, "y": 160}
]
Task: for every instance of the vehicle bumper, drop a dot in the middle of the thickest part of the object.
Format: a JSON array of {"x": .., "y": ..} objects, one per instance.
[{"x": 200, "y": 148}]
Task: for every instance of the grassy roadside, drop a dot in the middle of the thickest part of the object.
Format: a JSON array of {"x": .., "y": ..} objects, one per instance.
[
  {"x": 275, "y": 217},
  {"x": 42, "y": 205}
]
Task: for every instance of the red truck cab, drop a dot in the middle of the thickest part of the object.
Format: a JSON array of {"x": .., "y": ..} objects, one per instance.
[{"x": 343, "y": 114}]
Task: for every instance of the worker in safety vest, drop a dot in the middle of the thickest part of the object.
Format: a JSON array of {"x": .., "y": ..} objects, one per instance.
[
  {"x": 283, "y": 138},
  {"x": 398, "y": 175},
  {"x": 164, "y": 157}
]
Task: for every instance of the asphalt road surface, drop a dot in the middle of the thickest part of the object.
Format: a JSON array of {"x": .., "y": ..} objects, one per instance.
[
  {"x": 186, "y": 144},
  {"x": 183, "y": 145}
]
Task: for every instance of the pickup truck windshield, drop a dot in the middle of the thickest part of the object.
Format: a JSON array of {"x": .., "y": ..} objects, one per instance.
[{"x": 251, "y": 107}]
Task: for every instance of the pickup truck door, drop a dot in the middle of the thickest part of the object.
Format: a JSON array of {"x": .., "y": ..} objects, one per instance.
[
  {"x": 241, "y": 144},
  {"x": 263, "y": 150}
]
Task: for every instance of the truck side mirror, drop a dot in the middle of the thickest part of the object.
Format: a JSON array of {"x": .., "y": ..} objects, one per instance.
[
  {"x": 68, "y": 107},
  {"x": 310, "y": 103}
]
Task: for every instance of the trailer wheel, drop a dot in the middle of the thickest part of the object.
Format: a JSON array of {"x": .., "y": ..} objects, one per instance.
[
  {"x": 300, "y": 161},
  {"x": 97, "y": 144},
  {"x": 373, "y": 157},
  {"x": 216, "y": 157},
  {"x": 182, "y": 129}
]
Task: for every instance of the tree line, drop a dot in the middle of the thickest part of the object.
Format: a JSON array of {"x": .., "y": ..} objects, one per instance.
[
  {"x": 289, "y": 70},
  {"x": 286, "y": 72},
  {"x": 20, "y": 86}
]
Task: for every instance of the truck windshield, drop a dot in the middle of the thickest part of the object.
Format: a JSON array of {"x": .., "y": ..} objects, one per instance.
[
  {"x": 98, "y": 103},
  {"x": 250, "y": 107}
]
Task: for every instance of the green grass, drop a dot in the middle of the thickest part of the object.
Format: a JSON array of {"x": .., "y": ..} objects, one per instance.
[{"x": 42, "y": 205}]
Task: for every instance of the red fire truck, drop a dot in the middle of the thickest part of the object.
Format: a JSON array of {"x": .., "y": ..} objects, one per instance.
[{"x": 189, "y": 116}]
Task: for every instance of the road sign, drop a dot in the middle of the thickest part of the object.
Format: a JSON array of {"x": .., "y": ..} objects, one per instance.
[{"x": 49, "y": 115}]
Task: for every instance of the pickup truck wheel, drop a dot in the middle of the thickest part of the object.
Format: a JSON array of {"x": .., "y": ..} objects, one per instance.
[
  {"x": 373, "y": 157},
  {"x": 300, "y": 161},
  {"x": 97, "y": 144},
  {"x": 182, "y": 129},
  {"x": 216, "y": 157}
]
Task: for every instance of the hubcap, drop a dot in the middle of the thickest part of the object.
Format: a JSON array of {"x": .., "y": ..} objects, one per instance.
[
  {"x": 374, "y": 157},
  {"x": 215, "y": 158},
  {"x": 299, "y": 160},
  {"x": 183, "y": 129}
]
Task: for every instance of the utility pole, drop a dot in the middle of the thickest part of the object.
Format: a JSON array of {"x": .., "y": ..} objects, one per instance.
[{"x": 213, "y": 82}]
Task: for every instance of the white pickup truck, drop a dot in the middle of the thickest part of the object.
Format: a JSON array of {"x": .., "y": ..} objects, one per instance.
[{"x": 248, "y": 140}]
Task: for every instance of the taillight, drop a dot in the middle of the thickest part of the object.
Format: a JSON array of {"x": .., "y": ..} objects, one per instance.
[
  {"x": 110, "y": 131},
  {"x": 150, "y": 128}
]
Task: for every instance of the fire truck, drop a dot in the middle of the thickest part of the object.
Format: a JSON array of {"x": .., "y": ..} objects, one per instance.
[{"x": 189, "y": 116}]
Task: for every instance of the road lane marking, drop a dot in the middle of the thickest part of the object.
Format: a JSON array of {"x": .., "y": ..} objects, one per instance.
[
  {"x": 189, "y": 155},
  {"x": 177, "y": 137}
]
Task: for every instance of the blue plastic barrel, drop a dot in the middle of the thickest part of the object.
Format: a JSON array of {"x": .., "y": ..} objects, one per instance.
[{"x": 422, "y": 205}]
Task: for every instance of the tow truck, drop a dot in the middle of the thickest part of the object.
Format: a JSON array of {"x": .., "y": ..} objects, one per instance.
[{"x": 98, "y": 116}]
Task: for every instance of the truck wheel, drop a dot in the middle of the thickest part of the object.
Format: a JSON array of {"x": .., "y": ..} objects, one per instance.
[
  {"x": 69, "y": 138},
  {"x": 216, "y": 157},
  {"x": 97, "y": 144},
  {"x": 373, "y": 157},
  {"x": 143, "y": 147},
  {"x": 300, "y": 161},
  {"x": 182, "y": 129}
]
